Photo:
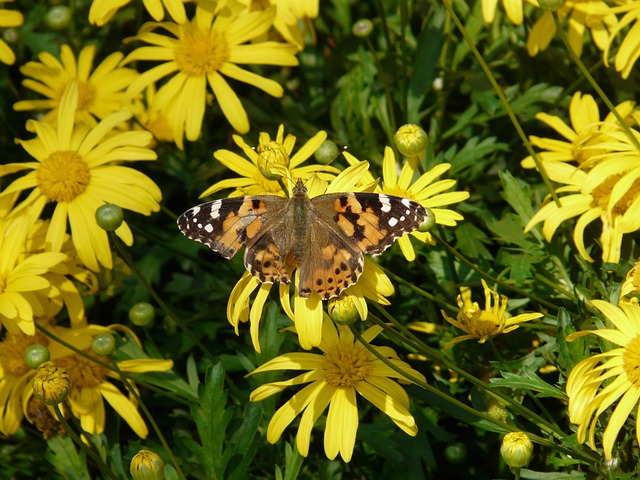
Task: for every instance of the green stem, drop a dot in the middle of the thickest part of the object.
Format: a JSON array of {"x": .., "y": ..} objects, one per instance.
[
  {"x": 104, "y": 468},
  {"x": 503, "y": 99},
  {"x": 583, "y": 69},
  {"x": 165, "y": 308}
]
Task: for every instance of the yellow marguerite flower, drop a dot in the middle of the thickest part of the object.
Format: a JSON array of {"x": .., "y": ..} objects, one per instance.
[
  {"x": 24, "y": 286},
  {"x": 618, "y": 370},
  {"x": 90, "y": 384},
  {"x": 290, "y": 17},
  {"x": 269, "y": 161},
  {"x": 482, "y": 324},
  {"x": 424, "y": 190},
  {"x": 73, "y": 169},
  {"x": 308, "y": 314},
  {"x": 8, "y": 19},
  {"x": 610, "y": 192},
  {"x": 630, "y": 288},
  {"x": 102, "y": 11},
  {"x": 344, "y": 368},
  {"x": 513, "y": 9},
  {"x": 586, "y": 137},
  {"x": 101, "y": 90},
  {"x": 576, "y": 12},
  {"x": 205, "y": 51},
  {"x": 629, "y": 49}
]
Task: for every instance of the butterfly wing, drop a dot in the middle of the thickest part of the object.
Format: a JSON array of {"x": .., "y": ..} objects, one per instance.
[
  {"x": 225, "y": 225},
  {"x": 373, "y": 220}
]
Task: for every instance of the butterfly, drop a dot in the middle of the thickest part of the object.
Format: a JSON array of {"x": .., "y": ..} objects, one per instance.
[{"x": 324, "y": 237}]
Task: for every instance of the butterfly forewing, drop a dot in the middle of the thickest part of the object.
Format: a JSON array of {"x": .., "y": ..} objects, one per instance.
[
  {"x": 225, "y": 225},
  {"x": 374, "y": 221}
]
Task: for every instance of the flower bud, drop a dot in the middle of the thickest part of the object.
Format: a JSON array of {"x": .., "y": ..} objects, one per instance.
[
  {"x": 429, "y": 222},
  {"x": 142, "y": 314},
  {"x": 516, "y": 449},
  {"x": 103, "y": 345},
  {"x": 51, "y": 384},
  {"x": 109, "y": 217},
  {"x": 362, "y": 28},
  {"x": 326, "y": 152},
  {"x": 342, "y": 310},
  {"x": 497, "y": 410},
  {"x": 35, "y": 355},
  {"x": 146, "y": 465},
  {"x": 411, "y": 140}
]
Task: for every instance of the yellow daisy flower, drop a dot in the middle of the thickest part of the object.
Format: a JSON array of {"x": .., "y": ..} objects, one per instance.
[
  {"x": 483, "y": 324},
  {"x": 8, "y": 19},
  {"x": 102, "y": 11},
  {"x": 72, "y": 169},
  {"x": 576, "y": 12},
  {"x": 25, "y": 278},
  {"x": 617, "y": 369},
  {"x": 424, "y": 190},
  {"x": 608, "y": 192},
  {"x": 344, "y": 368},
  {"x": 291, "y": 15},
  {"x": 630, "y": 288},
  {"x": 90, "y": 384},
  {"x": 585, "y": 137},
  {"x": 308, "y": 314},
  {"x": 204, "y": 51},
  {"x": 513, "y": 9},
  {"x": 269, "y": 161},
  {"x": 101, "y": 90},
  {"x": 629, "y": 49}
]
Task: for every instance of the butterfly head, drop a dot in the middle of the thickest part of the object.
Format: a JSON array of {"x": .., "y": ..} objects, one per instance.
[{"x": 299, "y": 190}]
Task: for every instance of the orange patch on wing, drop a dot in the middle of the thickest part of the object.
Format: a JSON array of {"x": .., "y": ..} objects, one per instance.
[
  {"x": 346, "y": 226},
  {"x": 369, "y": 218},
  {"x": 352, "y": 204},
  {"x": 253, "y": 228}
]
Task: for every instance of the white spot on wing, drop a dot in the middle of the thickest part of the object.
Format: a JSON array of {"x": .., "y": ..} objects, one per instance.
[
  {"x": 393, "y": 222},
  {"x": 386, "y": 204},
  {"x": 215, "y": 209},
  {"x": 208, "y": 228}
]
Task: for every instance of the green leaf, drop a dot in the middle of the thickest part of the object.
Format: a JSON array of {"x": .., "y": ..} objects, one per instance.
[
  {"x": 569, "y": 353},
  {"x": 528, "y": 380},
  {"x": 424, "y": 70},
  {"x": 293, "y": 463},
  {"x": 67, "y": 461},
  {"x": 470, "y": 240},
  {"x": 517, "y": 194},
  {"x": 519, "y": 263},
  {"x": 524, "y": 473}
]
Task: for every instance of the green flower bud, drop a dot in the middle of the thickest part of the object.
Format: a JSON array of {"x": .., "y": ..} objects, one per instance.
[
  {"x": 429, "y": 222},
  {"x": 326, "y": 152},
  {"x": 411, "y": 140},
  {"x": 362, "y": 28},
  {"x": 516, "y": 449},
  {"x": 142, "y": 314},
  {"x": 36, "y": 355},
  {"x": 109, "y": 217},
  {"x": 342, "y": 310},
  {"x": 146, "y": 465},
  {"x": 103, "y": 345},
  {"x": 456, "y": 453},
  {"x": 51, "y": 384},
  {"x": 58, "y": 17}
]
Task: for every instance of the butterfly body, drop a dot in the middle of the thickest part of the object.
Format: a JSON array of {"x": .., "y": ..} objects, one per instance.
[{"x": 324, "y": 237}]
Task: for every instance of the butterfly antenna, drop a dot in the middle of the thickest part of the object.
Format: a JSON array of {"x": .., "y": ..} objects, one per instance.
[{"x": 324, "y": 168}]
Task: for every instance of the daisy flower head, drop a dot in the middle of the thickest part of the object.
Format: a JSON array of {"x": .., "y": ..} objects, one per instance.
[
  {"x": 482, "y": 324},
  {"x": 586, "y": 138},
  {"x": 203, "y": 52},
  {"x": 270, "y": 163},
  {"x": 610, "y": 192},
  {"x": 603, "y": 379},
  {"x": 90, "y": 381},
  {"x": 74, "y": 169},
  {"x": 513, "y": 9},
  {"x": 335, "y": 378},
  {"x": 576, "y": 12},
  {"x": 308, "y": 313},
  {"x": 101, "y": 90},
  {"x": 426, "y": 191},
  {"x": 8, "y": 19},
  {"x": 102, "y": 11},
  {"x": 25, "y": 277}
]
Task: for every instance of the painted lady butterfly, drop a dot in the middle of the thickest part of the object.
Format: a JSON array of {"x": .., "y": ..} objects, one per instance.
[{"x": 324, "y": 236}]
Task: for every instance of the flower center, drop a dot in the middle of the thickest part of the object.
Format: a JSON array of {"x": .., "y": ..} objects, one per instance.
[
  {"x": 83, "y": 372},
  {"x": 63, "y": 176},
  {"x": 12, "y": 350},
  {"x": 200, "y": 52},
  {"x": 346, "y": 365},
  {"x": 631, "y": 361}
]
